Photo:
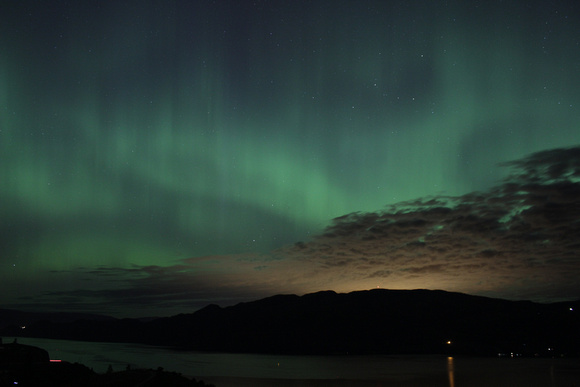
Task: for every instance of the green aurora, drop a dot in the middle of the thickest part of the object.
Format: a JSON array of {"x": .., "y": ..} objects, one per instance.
[{"x": 138, "y": 133}]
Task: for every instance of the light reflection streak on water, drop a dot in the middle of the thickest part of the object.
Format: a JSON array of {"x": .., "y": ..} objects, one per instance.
[{"x": 450, "y": 371}]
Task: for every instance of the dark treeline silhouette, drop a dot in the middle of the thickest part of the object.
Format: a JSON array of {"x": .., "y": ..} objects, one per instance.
[{"x": 365, "y": 322}]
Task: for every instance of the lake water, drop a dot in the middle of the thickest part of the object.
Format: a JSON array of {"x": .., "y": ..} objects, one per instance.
[{"x": 225, "y": 370}]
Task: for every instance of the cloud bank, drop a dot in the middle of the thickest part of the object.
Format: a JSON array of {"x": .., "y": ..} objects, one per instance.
[{"x": 518, "y": 240}]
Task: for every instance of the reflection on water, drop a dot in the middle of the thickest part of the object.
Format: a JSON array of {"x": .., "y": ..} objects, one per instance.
[
  {"x": 255, "y": 370},
  {"x": 450, "y": 371}
]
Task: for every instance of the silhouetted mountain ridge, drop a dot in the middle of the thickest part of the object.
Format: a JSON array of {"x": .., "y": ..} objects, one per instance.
[{"x": 374, "y": 321}]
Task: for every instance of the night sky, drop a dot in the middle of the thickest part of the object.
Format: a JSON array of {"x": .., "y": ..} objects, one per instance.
[{"x": 158, "y": 156}]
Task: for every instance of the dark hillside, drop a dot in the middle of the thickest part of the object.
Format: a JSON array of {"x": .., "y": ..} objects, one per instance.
[
  {"x": 374, "y": 321},
  {"x": 378, "y": 321}
]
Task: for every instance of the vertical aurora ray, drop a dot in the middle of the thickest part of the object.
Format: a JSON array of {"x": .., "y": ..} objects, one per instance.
[{"x": 144, "y": 134}]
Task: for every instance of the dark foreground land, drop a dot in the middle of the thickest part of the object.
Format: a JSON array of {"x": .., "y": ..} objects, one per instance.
[
  {"x": 26, "y": 365},
  {"x": 68, "y": 374}
]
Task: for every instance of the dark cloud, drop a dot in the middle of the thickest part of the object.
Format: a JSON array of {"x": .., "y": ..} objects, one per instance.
[
  {"x": 525, "y": 228},
  {"x": 550, "y": 165},
  {"x": 180, "y": 288},
  {"x": 425, "y": 269}
]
